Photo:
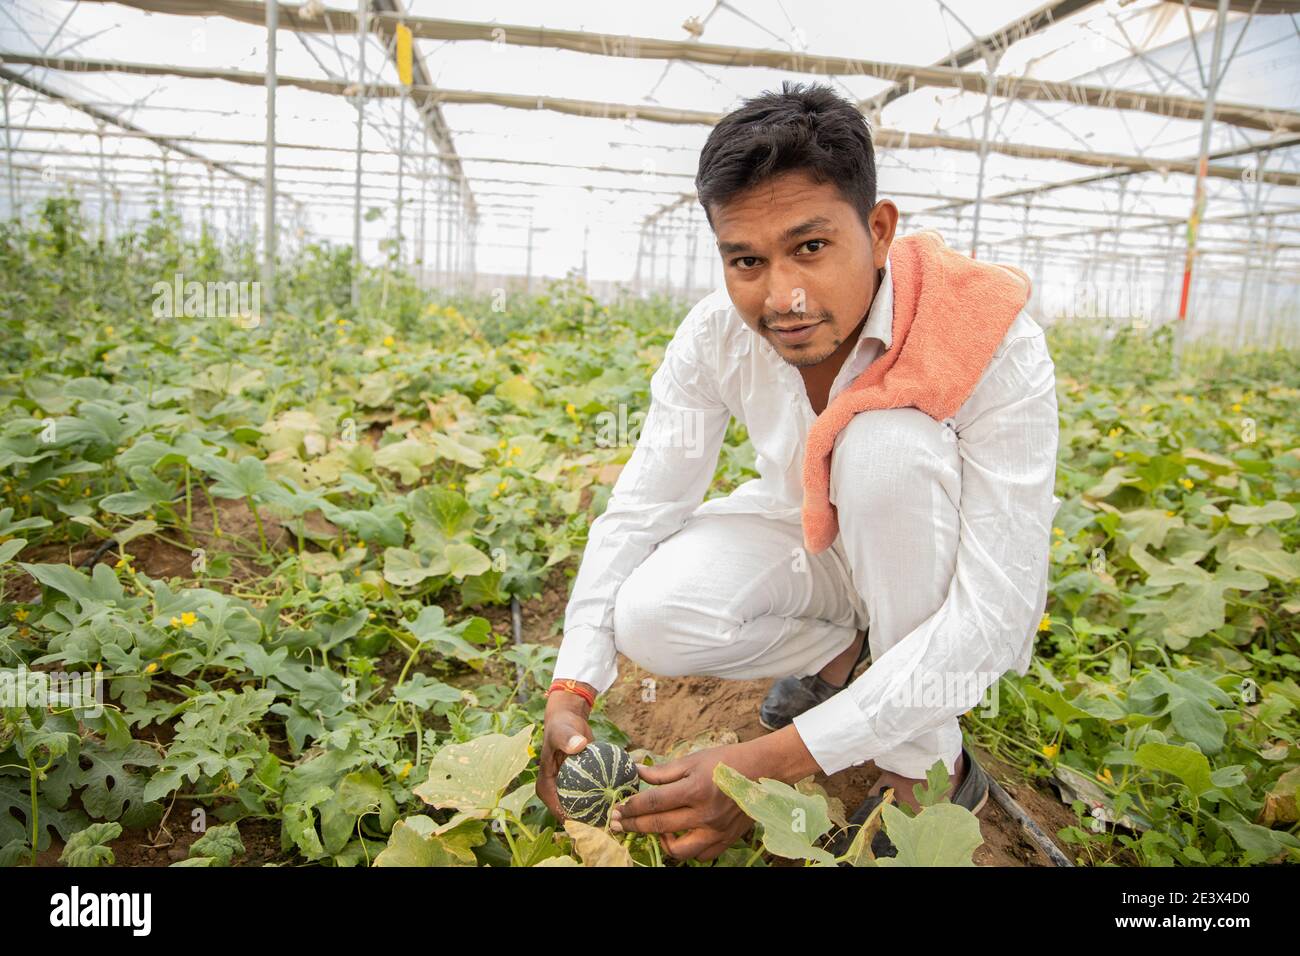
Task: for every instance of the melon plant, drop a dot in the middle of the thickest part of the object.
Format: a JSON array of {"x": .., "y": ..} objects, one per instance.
[{"x": 591, "y": 781}]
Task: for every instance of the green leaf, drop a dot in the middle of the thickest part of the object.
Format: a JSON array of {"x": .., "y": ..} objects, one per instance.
[
  {"x": 791, "y": 821},
  {"x": 230, "y": 480},
  {"x": 9, "y": 549},
  {"x": 413, "y": 843},
  {"x": 1260, "y": 843},
  {"x": 1261, "y": 514},
  {"x": 406, "y": 457},
  {"x": 440, "y": 513},
  {"x": 424, "y": 692},
  {"x": 935, "y": 788},
  {"x": 1188, "y": 765},
  {"x": 483, "y": 589},
  {"x": 453, "y": 449},
  {"x": 150, "y": 491},
  {"x": 429, "y": 627},
  {"x": 471, "y": 777},
  {"x": 86, "y": 847},
  {"x": 1264, "y": 553},
  {"x": 942, "y": 835},
  {"x": 1197, "y": 604},
  {"x": 406, "y": 569},
  {"x": 518, "y": 391},
  {"x": 466, "y": 560},
  {"x": 221, "y": 844}
]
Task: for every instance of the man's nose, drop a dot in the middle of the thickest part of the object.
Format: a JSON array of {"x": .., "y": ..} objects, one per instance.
[{"x": 783, "y": 294}]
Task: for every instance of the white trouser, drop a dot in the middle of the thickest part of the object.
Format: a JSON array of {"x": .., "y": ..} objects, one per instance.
[{"x": 736, "y": 596}]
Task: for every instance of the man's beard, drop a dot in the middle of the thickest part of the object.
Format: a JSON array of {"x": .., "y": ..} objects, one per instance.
[{"x": 803, "y": 358}]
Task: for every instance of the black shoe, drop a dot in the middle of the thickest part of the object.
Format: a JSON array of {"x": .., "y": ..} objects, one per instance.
[
  {"x": 972, "y": 794},
  {"x": 791, "y": 696}
]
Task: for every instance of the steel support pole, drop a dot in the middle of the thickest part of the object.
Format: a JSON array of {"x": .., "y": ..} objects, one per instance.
[
  {"x": 1198, "y": 204},
  {"x": 9, "y": 149},
  {"x": 401, "y": 150},
  {"x": 991, "y": 62},
  {"x": 528, "y": 263},
  {"x": 423, "y": 223},
  {"x": 1250, "y": 251},
  {"x": 268, "y": 185},
  {"x": 362, "y": 6},
  {"x": 103, "y": 187}
]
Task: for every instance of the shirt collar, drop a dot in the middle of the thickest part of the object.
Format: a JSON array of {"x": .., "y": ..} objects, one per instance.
[{"x": 880, "y": 318}]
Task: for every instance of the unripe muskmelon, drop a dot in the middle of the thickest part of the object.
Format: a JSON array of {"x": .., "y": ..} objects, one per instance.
[{"x": 593, "y": 780}]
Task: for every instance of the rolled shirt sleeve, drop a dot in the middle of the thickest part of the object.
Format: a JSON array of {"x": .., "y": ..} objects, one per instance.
[
  {"x": 1007, "y": 434},
  {"x": 665, "y": 479}
]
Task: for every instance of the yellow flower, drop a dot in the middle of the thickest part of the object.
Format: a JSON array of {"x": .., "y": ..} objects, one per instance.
[
  {"x": 189, "y": 619},
  {"x": 389, "y": 341},
  {"x": 1187, "y": 483},
  {"x": 1119, "y": 454},
  {"x": 570, "y": 409},
  {"x": 502, "y": 443},
  {"x": 1185, "y": 399},
  {"x": 1046, "y": 623},
  {"x": 21, "y": 614},
  {"x": 1115, "y": 431},
  {"x": 341, "y": 323},
  {"x": 406, "y": 769},
  {"x": 1146, "y": 408},
  {"x": 451, "y": 486},
  {"x": 373, "y": 615},
  {"x": 26, "y": 499},
  {"x": 108, "y": 330},
  {"x": 175, "y": 622},
  {"x": 1058, "y": 531},
  {"x": 1051, "y": 750},
  {"x": 516, "y": 450},
  {"x": 1236, "y": 407},
  {"x": 531, "y": 751},
  {"x": 495, "y": 492},
  {"x": 153, "y": 666},
  {"x": 1106, "y": 777},
  {"x": 501, "y": 486},
  {"x": 194, "y": 338},
  {"x": 121, "y": 563},
  {"x": 1168, "y": 514}
]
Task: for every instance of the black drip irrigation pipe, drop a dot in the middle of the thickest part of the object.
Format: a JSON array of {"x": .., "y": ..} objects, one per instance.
[
  {"x": 517, "y": 625},
  {"x": 99, "y": 552},
  {"x": 1043, "y": 841}
]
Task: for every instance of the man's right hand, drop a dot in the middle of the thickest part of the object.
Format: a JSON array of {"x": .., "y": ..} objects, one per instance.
[{"x": 565, "y": 731}]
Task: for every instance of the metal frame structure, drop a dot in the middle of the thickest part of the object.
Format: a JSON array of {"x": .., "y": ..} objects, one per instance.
[{"x": 1101, "y": 220}]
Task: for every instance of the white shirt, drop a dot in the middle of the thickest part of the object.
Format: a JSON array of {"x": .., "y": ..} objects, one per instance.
[{"x": 716, "y": 367}]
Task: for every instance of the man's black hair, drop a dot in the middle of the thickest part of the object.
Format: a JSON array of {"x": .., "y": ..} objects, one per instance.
[{"x": 808, "y": 127}]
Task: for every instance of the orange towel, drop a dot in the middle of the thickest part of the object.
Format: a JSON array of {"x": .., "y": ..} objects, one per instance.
[{"x": 950, "y": 315}]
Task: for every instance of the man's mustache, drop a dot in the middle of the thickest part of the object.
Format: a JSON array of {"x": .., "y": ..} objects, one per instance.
[{"x": 796, "y": 318}]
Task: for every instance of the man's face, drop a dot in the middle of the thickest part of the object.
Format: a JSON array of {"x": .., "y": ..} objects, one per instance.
[{"x": 799, "y": 264}]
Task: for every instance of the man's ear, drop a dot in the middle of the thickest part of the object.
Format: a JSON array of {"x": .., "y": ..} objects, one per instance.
[{"x": 883, "y": 221}]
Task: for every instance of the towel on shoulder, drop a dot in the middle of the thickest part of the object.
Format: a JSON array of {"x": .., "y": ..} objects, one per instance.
[{"x": 951, "y": 313}]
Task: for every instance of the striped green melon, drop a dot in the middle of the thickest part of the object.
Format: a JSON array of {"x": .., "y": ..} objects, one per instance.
[{"x": 593, "y": 780}]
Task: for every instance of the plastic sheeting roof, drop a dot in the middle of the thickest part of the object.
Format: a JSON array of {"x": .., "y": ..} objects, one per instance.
[{"x": 603, "y": 211}]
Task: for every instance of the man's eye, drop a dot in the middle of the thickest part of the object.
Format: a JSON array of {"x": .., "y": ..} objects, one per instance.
[
  {"x": 744, "y": 259},
  {"x": 811, "y": 241}
]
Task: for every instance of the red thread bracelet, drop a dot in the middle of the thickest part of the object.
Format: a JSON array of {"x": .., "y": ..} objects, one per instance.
[{"x": 572, "y": 686}]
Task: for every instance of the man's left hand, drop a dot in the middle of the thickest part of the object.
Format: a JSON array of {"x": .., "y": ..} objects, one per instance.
[{"x": 685, "y": 798}]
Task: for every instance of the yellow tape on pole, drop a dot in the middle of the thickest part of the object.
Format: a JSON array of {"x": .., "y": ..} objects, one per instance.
[{"x": 404, "y": 68}]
